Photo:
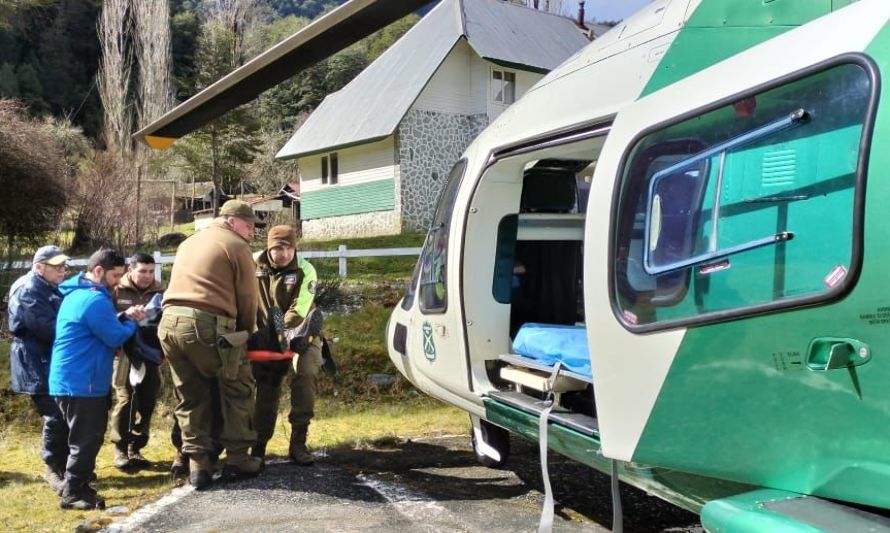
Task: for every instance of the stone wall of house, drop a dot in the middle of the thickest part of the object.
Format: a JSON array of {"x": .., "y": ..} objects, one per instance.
[
  {"x": 348, "y": 226},
  {"x": 430, "y": 142}
]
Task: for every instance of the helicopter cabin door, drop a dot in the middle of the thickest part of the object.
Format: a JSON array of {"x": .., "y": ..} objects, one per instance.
[
  {"x": 436, "y": 333},
  {"x": 728, "y": 301}
]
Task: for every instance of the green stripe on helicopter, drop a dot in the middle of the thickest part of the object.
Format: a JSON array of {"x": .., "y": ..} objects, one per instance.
[{"x": 718, "y": 30}]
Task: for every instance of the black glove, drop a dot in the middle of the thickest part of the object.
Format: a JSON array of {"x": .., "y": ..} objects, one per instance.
[
  {"x": 327, "y": 358},
  {"x": 298, "y": 338}
]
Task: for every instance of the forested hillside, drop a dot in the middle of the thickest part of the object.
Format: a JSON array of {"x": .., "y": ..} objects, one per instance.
[
  {"x": 49, "y": 52},
  {"x": 303, "y": 8},
  {"x": 89, "y": 73}
]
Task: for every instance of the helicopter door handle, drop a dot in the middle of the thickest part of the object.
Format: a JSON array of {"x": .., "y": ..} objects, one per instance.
[{"x": 831, "y": 353}]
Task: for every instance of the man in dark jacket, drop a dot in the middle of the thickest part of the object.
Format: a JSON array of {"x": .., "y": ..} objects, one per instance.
[
  {"x": 88, "y": 333},
  {"x": 34, "y": 301},
  {"x": 135, "y": 404}
]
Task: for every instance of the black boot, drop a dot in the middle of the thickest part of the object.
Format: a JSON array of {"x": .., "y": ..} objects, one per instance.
[
  {"x": 200, "y": 471},
  {"x": 259, "y": 451},
  {"x": 80, "y": 498}
]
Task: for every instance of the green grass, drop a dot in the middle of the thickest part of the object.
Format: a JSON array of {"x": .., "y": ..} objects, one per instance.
[
  {"x": 349, "y": 414},
  {"x": 368, "y": 268},
  {"x": 28, "y": 504},
  {"x": 186, "y": 228}
]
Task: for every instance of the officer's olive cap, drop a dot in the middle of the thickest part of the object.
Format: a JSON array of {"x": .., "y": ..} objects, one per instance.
[{"x": 240, "y": 209}]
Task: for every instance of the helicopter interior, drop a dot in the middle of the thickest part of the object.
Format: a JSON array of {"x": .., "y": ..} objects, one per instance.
[{"x": 537, "y": 289}]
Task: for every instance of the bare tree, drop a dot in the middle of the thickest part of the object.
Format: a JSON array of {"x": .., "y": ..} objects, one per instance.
[
  {"x": 221, "y": 49},
  {"x": 115, "y": 68},
  {"x": 155, "y": 89},
  {"x": 153, "y": 52},
  {"x": 237, "y": 16},
  {"x": 32, "y": 177}
]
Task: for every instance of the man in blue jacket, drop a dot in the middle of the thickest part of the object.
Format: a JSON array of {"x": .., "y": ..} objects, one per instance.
[
  {"x": 34, "y": 301},
  {"x": 88, "y": 333}
]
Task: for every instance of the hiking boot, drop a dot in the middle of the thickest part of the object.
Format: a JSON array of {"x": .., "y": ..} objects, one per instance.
[
  {"x": 137, "y": 459},
  {"x": 200, "y": 471},
  {"x": 239, "y": 465},
  {"x": 55, "y": 479},
  {"x": 121, "y": 459},
  {"x": 180, "y": 466},
  {"x": 297, "y": 450},
  {"x": 83, "y": 498},
  {"x": 259, "y": 451}
]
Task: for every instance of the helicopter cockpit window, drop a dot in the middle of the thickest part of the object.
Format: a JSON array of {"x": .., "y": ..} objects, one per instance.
[
  {"x": 434, "y": 257},
  {"x": 743, "y": 206}
]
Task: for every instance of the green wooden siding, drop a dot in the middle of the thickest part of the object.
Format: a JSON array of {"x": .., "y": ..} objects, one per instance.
[{"x": 339, "y": 200}]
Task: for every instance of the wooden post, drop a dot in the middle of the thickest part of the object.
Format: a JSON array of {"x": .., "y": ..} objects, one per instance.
[
  {"x": 342, "y": 250},
  {"x": 138, "y": 201},
  {"x": 173, "y": 208}
]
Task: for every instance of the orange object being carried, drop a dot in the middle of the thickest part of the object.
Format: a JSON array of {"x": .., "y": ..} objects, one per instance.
[{"x": 269, "y": 355}]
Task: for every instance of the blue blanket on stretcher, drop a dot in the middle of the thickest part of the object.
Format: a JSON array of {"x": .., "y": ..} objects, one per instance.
[{"x": 549, "y": 343}]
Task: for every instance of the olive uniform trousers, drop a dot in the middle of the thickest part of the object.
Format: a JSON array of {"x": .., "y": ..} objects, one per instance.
[
  {"x": 131, "y": 417},
  {"x": 189, "y": 339},
  {"x": 303, "y": 386}
]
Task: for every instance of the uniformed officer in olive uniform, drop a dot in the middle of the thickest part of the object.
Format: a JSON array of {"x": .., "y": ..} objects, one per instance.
[
  {"x": 134, "y": 406},
  {"x": 210, "y": 308},
  {"x": 286, "y": 289}
]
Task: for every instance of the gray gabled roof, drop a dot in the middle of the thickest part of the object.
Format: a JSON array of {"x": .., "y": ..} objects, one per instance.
[
  {"x": 506, "y": 33},
  {"x": 371, "y": 106}
]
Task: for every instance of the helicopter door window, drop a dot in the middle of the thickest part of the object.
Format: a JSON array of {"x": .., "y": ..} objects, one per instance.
[
  {"x": 671, "y": 226},
  {"x": 434, "y": 256},
  {"x": 745, "y": 207}
]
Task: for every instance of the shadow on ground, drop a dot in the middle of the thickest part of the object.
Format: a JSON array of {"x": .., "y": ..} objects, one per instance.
[{"x": 446, "y": 469}]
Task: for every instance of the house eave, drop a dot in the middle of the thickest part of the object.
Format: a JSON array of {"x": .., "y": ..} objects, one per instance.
[
  {"x": 333, "y": 148},
  {"x": 517, "y": 66}
]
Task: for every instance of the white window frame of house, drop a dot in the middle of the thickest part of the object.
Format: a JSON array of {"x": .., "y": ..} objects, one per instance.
[
  {"x": 330, "y": 164},
  {"x": 324, "y": 169},
  {"x": 499, "y": 85}
]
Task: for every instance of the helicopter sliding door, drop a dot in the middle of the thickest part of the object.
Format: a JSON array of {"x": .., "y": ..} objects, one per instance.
[{"x": 735, "y": 249}]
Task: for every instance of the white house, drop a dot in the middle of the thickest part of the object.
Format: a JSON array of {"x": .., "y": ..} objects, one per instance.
[{"x": 375, "y": 155}]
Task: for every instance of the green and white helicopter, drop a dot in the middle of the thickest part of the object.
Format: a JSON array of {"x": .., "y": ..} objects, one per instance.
[{"x": 669, "y": 259}]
